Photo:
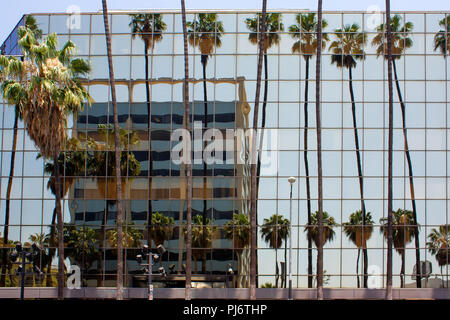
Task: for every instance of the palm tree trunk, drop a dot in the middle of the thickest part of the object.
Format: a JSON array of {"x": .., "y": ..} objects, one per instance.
[
  {"x": 60, "y": 227},
  {"x": 357, "y": 267},
  {"x": 390, "y": 155},
  {"x": 277, "y": 273},
  {"x": 150, "y": 160},
  {"x": 305, "y": 160},
  {"x": 319, "y": 157},
  {"x": 285, "y": 260},
  {"x": 402, "y": 270},
  {"x": 204, "y": 60},
  {"x": 117, "y": 154},
  {"x": 360, "y": 175},
  {"x": 410, "y": 174},
  {"x": 8, "y": 201},
  {"x": 102, "y": 246},
  {"x": 254, "y": 157},
  {"x": 263, "y": 125},
  {"x": 188, "y": 165}
]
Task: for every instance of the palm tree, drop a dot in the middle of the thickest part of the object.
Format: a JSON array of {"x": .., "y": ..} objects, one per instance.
[
  {"x": 312, "y": 230},
  {"x": 46, "y": 89},
  {"x": 442, "y": 38},
  {"x": 253, "y": 173},
  {"x": 390, "y": 153},
  {"x": 399, "y": 43},
  {"x": 101, "y": 166},
  {"x": 359, "y": 233},
  {"x": 239, "y": 230},
  {"x": 273, "y": 26},
  {"x": 117, "y": 157},
  {"x": 205, "y": 33},
  {"x": 71, "y": 164},
  {"x": 149, "y": 27},
  {"x": 439, "y": 245},
  {"x": 161, "y": 228},
  {"x": 347, "y": 49},
  {"x": 403, "y": 230},
  {"x": 202, "y": 235},
  {"x": 30, "y": 23},
  {"x": 274, "y": 231},
  {"x": 186, "y": 125},
  {"x": 319, "y": 157},
  {"x": 306, "y": 32}
]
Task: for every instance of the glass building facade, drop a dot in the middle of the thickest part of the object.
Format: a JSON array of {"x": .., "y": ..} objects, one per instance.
[{"x": 220, "y": 190}]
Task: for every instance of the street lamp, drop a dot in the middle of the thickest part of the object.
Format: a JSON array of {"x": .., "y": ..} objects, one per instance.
[
  {"x": 26, "y": 257},
  {"x": 291, "y": 182},
  {"x": 151, "y": 258}
]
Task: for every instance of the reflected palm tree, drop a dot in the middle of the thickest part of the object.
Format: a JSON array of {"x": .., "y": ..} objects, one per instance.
[
  {"x": 399, "y": 43},
  {"x": 319, "y": 158},
  {"x": 81, "y": 246},
  {"x": 273, "y": 27},
  {"x": 403, "y": 230},
  {"x": 101, "y": 166},
  {"x": 306, "y": 32},
  {"x": 30, "y": 23},
  {"x": 239, "y": 230},
  {"x": 442, "y": 38},
  {"x": 205, "y": 33},
  {"x": 202, "y": 235},
  {"x": 72, "y": 163},
  {"x": 253, "y": 172},
  {"x": 273, "y": 231},
  {"x": 186, "y": 126},
  {"x": 46, "y": 88},
  {"x": 439, "y": 245},
  {"x": 117, "y": 155},
  {"x": 346, "y": 51},
  {"x": 359, "y": 233},
  {"x": 149, "y": 27}
]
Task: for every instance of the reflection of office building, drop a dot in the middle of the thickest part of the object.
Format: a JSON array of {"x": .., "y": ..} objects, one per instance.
[{"x": 222, "y": 191}]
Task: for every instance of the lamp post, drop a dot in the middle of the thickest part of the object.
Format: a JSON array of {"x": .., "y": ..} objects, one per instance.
[
  {"x": 291, "y": 182},
  {"x": 26, "y": 257},
  {"x": 151, "y": 258}
]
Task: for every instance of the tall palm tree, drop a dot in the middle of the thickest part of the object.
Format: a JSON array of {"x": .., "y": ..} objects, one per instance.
[
  {"x": 347, "y": 49},
  {"x": 239, "y": 230},
  {"x": 439, "y": 245},
  {"x": 117, "y": 157},
  {"x": 101, "y": 166},
  {"x": 390, "y": 153},
  {"x": 306, "y": 32},
  {"x": 274, "y": 231},
  {"x": 273, "y": 26},
  {"x": 254, "y": 156},
  {"x": 403, "y": 230},
  {"x": 442, "y": 38},
  {"x": 30, "y": 23},
  {"x": 399, "y": 43},
  {"x": 205, "y": 33},
  {"x": 187, "y": 126},
  {"x": 319, "y": 156},
  {"x": 47, "y": 89},
  {"x": 149, "y": 27},
  {"x": 359, "y": 233}
]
